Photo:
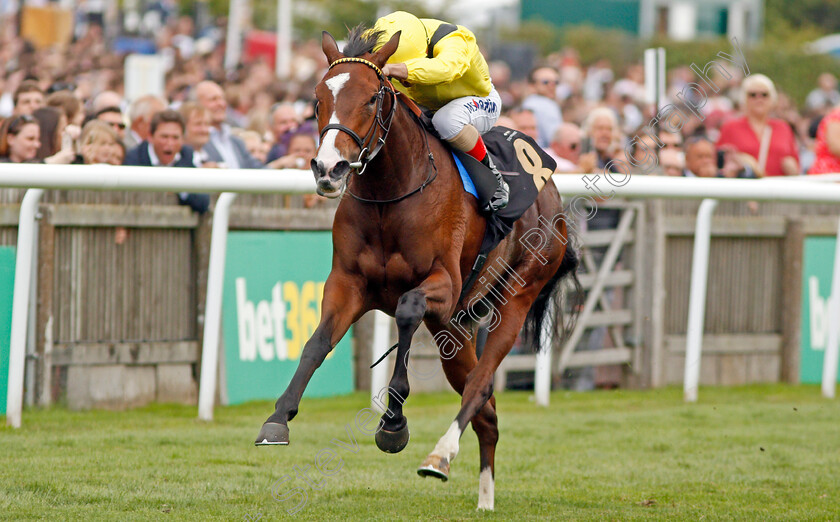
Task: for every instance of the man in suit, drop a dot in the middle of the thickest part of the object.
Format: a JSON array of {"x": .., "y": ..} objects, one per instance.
[
  {"x": 140, "y": 113},
  {"x": 223, "y": 147},
  {"x": 165, "y": 148}
]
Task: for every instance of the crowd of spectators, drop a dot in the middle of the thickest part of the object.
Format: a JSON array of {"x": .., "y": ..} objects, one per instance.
[
  {"x": 68, "y": 106},
  {"x": 65, "y": 106}
]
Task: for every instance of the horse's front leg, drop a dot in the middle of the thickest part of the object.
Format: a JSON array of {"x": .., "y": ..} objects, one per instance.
[
  {"x": 432, "y": 296},
  {"x": 342, "y": 306}
]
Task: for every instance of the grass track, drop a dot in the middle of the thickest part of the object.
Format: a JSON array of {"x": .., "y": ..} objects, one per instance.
[{"x": 749, "y": 453}]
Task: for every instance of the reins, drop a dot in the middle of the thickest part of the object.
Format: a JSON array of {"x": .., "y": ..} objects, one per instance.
[{"x": 367, "y": 154}]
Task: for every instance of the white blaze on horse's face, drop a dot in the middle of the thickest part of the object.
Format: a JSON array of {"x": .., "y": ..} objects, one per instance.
[{"x": 328, "y": 154}]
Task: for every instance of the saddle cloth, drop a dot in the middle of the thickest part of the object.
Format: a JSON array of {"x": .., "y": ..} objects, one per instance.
[{"x": 525, "y": 167}]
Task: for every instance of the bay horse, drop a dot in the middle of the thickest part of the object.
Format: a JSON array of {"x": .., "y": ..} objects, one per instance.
[{"x": 404, "y": 241}]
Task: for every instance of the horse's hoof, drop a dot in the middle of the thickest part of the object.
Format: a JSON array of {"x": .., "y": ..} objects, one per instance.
[
  {"x": 434, "y": 466},
  {"x": 392, "y": 441},
  {"x": 273, "y": 434}
]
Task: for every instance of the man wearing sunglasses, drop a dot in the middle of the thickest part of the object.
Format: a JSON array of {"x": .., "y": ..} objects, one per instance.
[
  {"x": 543, "y": 102},
  {"x": 565, "y": 148},
  {"x": 113, "y": 116}
]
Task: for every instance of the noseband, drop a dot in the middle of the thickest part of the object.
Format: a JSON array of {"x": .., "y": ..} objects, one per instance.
[{"x": 367, "y": 153}]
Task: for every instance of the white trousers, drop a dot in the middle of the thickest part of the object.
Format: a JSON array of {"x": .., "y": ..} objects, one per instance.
[{"x": 480, "y": 112}]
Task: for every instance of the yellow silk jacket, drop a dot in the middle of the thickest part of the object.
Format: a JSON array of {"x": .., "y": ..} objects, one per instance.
[{"x": 458, "y": 69}]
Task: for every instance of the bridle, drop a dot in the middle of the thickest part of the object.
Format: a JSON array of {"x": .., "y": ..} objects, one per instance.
[{"x": 381, "y": 123}]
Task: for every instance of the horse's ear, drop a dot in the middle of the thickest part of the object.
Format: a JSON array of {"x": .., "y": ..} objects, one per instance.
[
  {"x": 330, "y": 47},
  {"x": 381, "y": 56}
]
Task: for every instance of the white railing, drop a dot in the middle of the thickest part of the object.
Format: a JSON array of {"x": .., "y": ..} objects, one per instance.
[
  {"x": 105, "y": 177},
  {"x": 213, "y": 180},
  {"x": 810, "y": 189}
]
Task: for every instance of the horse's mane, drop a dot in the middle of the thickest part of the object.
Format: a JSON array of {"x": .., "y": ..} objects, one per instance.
[{"x": 361, "y": 40}]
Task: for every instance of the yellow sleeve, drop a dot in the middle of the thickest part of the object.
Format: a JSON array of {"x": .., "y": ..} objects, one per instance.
[{"x": 451, "y": 61}]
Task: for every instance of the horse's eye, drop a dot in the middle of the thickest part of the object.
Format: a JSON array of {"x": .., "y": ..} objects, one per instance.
[{"x": 372, "y": 100}]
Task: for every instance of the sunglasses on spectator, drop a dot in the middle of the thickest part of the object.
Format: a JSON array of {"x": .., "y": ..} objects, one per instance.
[
  {"x": 549, "y": 82},
  {"x": 120, "y": 126},
  {"x": 19, "y": 121},
  {"x": 763, "y": 94},
  {"x": 675, "y": 145}
]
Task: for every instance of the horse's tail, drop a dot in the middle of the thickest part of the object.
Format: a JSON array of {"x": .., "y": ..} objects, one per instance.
[{"x": 560, "y": 321}]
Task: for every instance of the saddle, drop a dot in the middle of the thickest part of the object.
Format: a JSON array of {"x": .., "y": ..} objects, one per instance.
[{"x": 524, "y": 165}]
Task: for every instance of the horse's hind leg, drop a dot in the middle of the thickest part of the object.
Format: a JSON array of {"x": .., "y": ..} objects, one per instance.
[
  {"x": 457, "y": 368},
  {"x": 479, "y": 383}
]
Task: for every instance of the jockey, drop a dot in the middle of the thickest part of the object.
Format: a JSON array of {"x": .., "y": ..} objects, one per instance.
[{"x": 450, "y": 78}]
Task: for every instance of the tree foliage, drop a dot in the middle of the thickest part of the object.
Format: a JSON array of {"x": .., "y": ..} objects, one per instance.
[
  {"x": 313, "y": 16},
  {"x": 800, "y": 20}
]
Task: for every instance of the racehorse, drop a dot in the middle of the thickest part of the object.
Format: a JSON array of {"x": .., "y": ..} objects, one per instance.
[{"x": 405, "y": 237}]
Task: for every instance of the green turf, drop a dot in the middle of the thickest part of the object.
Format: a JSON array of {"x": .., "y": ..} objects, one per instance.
[{"x": 750, "y": 453}]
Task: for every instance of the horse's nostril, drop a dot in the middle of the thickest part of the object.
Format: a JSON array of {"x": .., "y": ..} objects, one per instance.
[
  {"x": 317, "y": 167},
  {"x": 341, "y": 168}
]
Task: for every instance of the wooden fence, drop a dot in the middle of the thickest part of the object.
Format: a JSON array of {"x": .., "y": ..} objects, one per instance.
[{"x": 121, "y": 287}]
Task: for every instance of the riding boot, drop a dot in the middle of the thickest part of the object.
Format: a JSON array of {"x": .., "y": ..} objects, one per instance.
[{"x": 501, "y": 196}]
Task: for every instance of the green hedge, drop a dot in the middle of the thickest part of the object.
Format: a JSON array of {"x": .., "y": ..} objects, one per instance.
[{"x": 793, "y": 70}]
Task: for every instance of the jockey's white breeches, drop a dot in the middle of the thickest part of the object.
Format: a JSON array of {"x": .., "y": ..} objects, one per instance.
[{"x": 480, "y": 112}]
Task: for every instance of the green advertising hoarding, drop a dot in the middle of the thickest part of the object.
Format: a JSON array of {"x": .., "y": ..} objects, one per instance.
[
  {"x": 7, "y": 285},
  {"x": 274, "y": 281},
  {"x": 817, "y": 268}
]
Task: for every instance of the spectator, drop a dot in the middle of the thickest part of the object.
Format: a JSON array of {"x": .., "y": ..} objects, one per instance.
[
  {"x": 107, "y": 99},
  {"x": 284, "y": 124},
  {"x": 19, "y": 139},
  {"x": 112, "y": 115},
  {"x": 505, "y": 121},
  {"x": 100, "y": 144},
  {"x": 197, "y": 133},
  {"x": 770, "y": 142},
  {"x": 672, "y": 161},
  {"x": 166, "y": 148},
  {"x": 223, "y": 147},
  {"x": 543, "y": 103},
  {"x": 620, "y": 99},
  {"x": 28, "y": 97},
  {"x": 302, "y": 148},
  {"x": 825, "y": 96},
  {"x": 56, "y": 146},
  {"x": 140, "y": 113},
  {"x": 166, "y": 144},
  {"x": 253, "y": 143},
  {"x": 603, "y": 139},
  {"x": 524, "y": 121},
  {"x": 700, "y": 159},
  {"x": 827, "y": 144},
  {"x": 644, "y": 154},
  {"x": 67, "y": 102},
  {"x": 734, "y": 164},
  {"x": 670, "y": 140},
  {"x": 565, "y": 148}
]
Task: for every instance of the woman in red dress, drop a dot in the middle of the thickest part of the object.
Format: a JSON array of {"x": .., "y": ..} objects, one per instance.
[
  {"x": 769, "y": 141},
  {"x": 827, "y": 145}
]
